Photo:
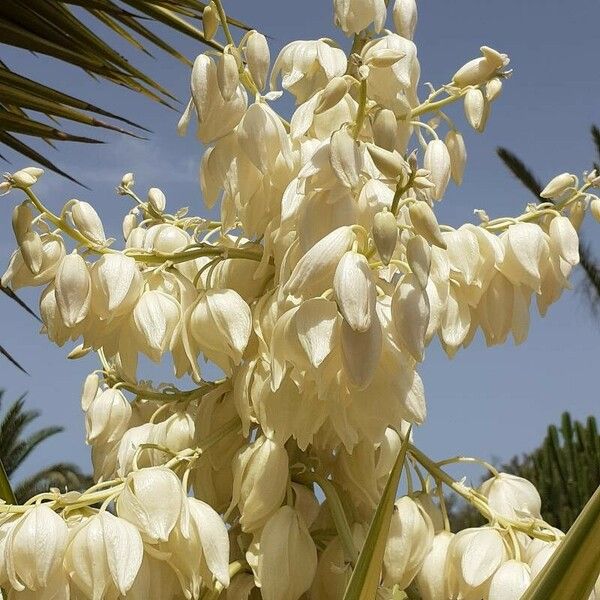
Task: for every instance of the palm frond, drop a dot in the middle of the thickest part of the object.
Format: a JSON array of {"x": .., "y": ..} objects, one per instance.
[
  {"x": 12, "y": 425},
  {"x": 55, "y": 29},
  {"x": 23, "y": 447},
  {"x": 19, "y": 301},
  {"x": 518, "y": 168},
  {"x": 64, "y": 476}
]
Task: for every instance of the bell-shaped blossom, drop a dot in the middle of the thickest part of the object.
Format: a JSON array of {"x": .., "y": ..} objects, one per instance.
[
  {"x": 155, "y": 319},
  {"x": 258, "y": 58},
  {"x": 87, "y": 221},
  {"x": 477, "y": 109},
  {"x": 410, "y": 313},
  {"x": 510, "y": 581},
  {"x": 405, "y": 15},
  {"x": 425, "y": 223},
  {"x": 31, "y": 249},
  {"x": 73, "y": 289},
  {"x": 385, "y": 235},
  {"x": 512, "y": 497},
  {"x": 431, "y": 579},
  {"x": 104, "y": 556},
  {"x": 558, "y": 185},
  {"x": 409, "y": 542},
  {"x": 116, "y": 285},
  {"x": 480, "y": 70},
  {"x": 200, "y": 556},
  {"x": 352, "y": 16},
  {"x": 361, "y": 351},
  {"x": 287, "y": 558},
  {"x": 35, "y": 549},
  {"x": 564, "y": 240},
  {"x": 260, "y": 481},
  {"x": 107, "y": 417},
  {"x": 354, "y": 290},
  {"x": 307, "y": 66},
  {"x": 474, "y": 555},
  {"x": 154, "y": 501},
  {"x": 220, "y": 324},
  {"x": 438, "y": 162},
  {"x": 418, "y": 257},
  {"x": 156, "y": 580}
]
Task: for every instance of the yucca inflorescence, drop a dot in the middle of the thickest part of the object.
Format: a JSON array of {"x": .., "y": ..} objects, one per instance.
[{"x": 316, "y": 294}]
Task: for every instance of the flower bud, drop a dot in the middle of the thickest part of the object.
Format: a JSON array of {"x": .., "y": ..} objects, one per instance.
[
  {"x": 228, "y": 76},
  {"x": 458, "y": 155},
  {"x": 175, "y": 433},
  {"x": 157, "y": 199},
  {"x": 383, "y": 58},
  {"x": 493, "y": 88},
  {"x": 385, "y": 235},
  {"x": 116, "y": 283},
  {"x": 260, "y": 481},
  {"x": 127, "y": 181},
  {"x": 23, "y": 179},
  {"x": 431, "y": 580},
  {"x": 480, "y": 70},
  {"x": 129, "y": 445},
  {"x": 35, "y": 549},
  {"x": 355, "y": 291},
  {"x": 88, "y": 222},
  {"x": 437, "y": 162},
  {"x": 334, "y": 91},
  {"x": 258, "y": 58},
  {"x": 425, "y": 224},
  {"x": 287, "y": 559},
  {"x": 404, "y": 14},
  {"x": 476, "y": 109},
  {"x": 73, "y": 289},
  {"x": 558, "y": 185},
  {"x": 512, "y": 497},
  {"x": 155, "y": 317},
  {"x": 21, "y": 220},
  {"x": 107, "y": 417},
  {"x": 104, "y": 556},
  {"x": 409, "y": 542},
  {"x": 129, "y": 224},
  {"x": 385, "y": 129},
  {"x": 153, "y": 500},
  {"x": 510, "y": 581},
  {"x": 410, "y": 314},
  {"x": 345, "y": 158},
  {"x": 391, "y": 164},
  {"x": 564, "y": 240},
  {"x": 210, "y": 21}
]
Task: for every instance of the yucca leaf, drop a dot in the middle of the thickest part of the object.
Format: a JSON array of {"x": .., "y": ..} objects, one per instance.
[
  {"x": 573, "y": 569},
  {"x": 365, "y": 577},
  {"x": 13, "y": 360}
]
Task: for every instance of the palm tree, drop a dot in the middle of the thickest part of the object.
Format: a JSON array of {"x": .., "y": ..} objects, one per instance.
[
  {"x": 591, "y": 284},
  {"x": 16, "y": 446}
]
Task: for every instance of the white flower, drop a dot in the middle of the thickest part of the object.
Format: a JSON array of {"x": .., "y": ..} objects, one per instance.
[
  {"x": 437, "y": 161},
  {"x": 287, "y": 558},
  {"x": 431, "y": 579},
  {"x": 405, "y": 17},
  {"x": 35, "y": 549},
  {"x": 107, "y": 417},
  {"x": 258, "y": 58},
  {"x": 512, "y": 497},
  {"x": 480, "y": 70},
  {"x": 409, "y": 542},
  {"x": 87, "y": 221},
  {"x": 558, "y": 185},
  {"x": 385, "y": 235},
  {"x": 458, "y": 155},
  {"x": 260, "y": 480},
  {"x": 73, "y": 289},
  {"x": 352, "y": 16},
  {"x": 510, "y": 581},
  {"x": 104, "y": 556},
  {"x": 354, "y": 290},
  {"x": 154, "y": 501},
  {"x": 157, "y": 199}
]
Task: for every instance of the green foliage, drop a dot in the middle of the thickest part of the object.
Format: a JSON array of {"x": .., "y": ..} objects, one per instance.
[
  {"x": 16, "y": 445},
  {"x": 565, "y": 469}
]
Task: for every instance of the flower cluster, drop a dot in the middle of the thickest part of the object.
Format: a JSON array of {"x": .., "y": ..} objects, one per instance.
[{"x": 316, "y": 295}]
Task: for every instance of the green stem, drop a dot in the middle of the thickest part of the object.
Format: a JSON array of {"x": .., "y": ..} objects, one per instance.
[
  {"x": 224, "y": 24},
  {"x": 6, "y": 491},
  {"x": 429, "y": 106},
  {"x": 362, "y": 109},
  {"x": 337, "y": 513}
]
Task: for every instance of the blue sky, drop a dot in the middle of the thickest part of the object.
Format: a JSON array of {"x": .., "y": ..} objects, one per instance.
[{"x": 486, "y": 402}]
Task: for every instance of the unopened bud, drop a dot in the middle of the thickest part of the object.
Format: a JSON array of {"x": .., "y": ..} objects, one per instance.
[
  {"x": 129, "y": 224},
  {"x": 127, "y": 181},
  {"x": 385, "y": 235},
  {"x": 385, "y": 129},
  {"x": 157, "y": 199},
  {"x": 23, "y": 179},
  {"x": 21, "y": 220},
  {"x": 493, "y": 88},
  {"x": 31, "y": 250},
  {"x": 258, "y": 58},
  {"x": 384, "y": 58},
  {"x": 425, "y": 224},
  {"x": 210, "y": 22},
  {"x": 228, "y": 76},
  {"x": 558, "y": 185},
  {"x": 333, "y": 92},
  {"x": 88, "y": 222},
  {"x": 391, "y": 164},
  {"x": 458, "y": 155},
  {"x": 418, "y": 257},
  {"x": 404, "y": 14},
  {"x": 437, "y": 162},
  {"x": 476, "y": 109}
]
